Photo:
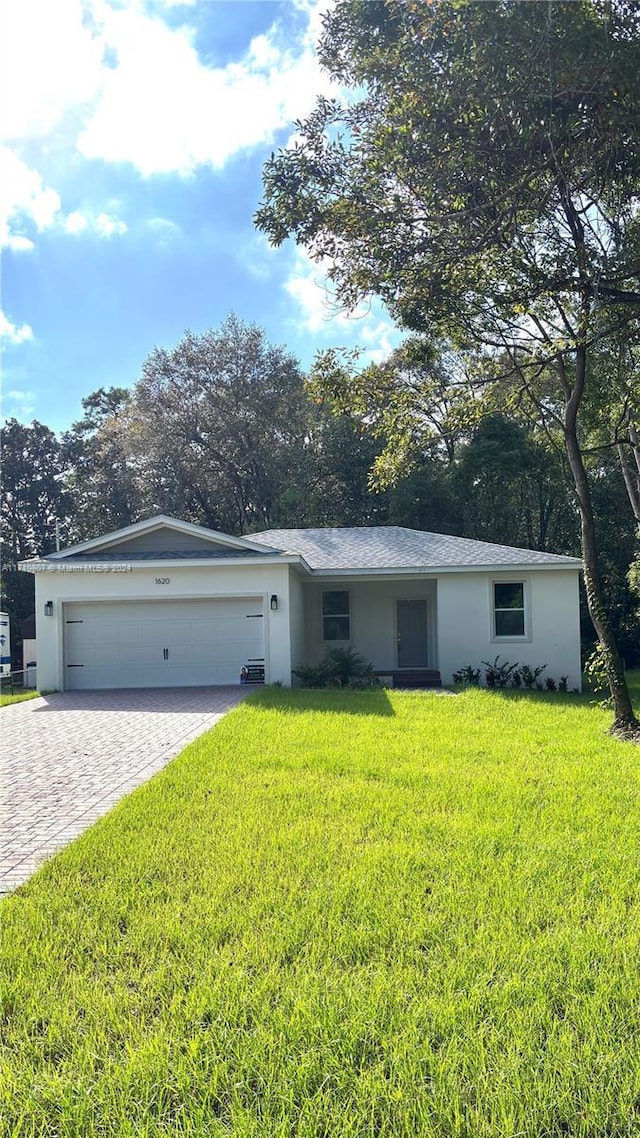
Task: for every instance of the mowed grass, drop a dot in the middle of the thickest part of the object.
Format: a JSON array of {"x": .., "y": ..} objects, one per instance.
[
  {"x": 7, "y": 698},
  {"x": 340, "y": 914}
]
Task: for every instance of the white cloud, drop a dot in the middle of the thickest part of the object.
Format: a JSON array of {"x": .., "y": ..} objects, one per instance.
[
  {"x": 162, "y": 225},
  {"x": 18, "y": 242},
  {"x": 27, "y": 203},
  {"x": 24, "y": 200},
  {"x": 367, "y": 327},
  {"x": 380, "y": 336},
  {"x": 109, "y": 79},
  {"x": 14, "y": 333},
  {"x": 108, "y": 226},
  {"x": 163, "y": 231},
  {"x": 203, "y": 115},
  {"x": 18, "y": 405},
  {"x": 258, "y": 257},
  {"x": 76, "y": 222},
  {"x": 50, "y": 63},
  {"x": 312, "y": 291},
  {"x": 84, "y": 221},
  {"x": 125, "y": 86}
]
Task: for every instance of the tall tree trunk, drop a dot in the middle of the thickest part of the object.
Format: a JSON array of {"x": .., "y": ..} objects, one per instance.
[
  {"x": 631, "y": 476},
  {"x": 625, "y": 722}
]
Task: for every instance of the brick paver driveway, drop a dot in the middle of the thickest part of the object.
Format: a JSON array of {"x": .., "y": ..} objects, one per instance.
[{"x": 65, "y": 759}]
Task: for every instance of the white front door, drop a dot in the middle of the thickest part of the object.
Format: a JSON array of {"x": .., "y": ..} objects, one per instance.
[
  {"x": 413, "y": 648},
  {"x": 161, "y": 643}
]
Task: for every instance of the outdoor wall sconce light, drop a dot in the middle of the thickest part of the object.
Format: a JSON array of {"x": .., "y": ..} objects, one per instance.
[
  {"x": 273, "y": 604},
  {"x": 48, "y": 608}
]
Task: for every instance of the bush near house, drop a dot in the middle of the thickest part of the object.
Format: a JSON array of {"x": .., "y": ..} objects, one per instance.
[
  {"x": 503, "y": 674},
  {"x": 341, "y": 667}
]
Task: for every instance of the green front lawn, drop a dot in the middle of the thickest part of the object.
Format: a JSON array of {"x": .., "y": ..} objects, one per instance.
[
  {"x": 17, "y": 697},
  {"x": 376, "y": 914}
]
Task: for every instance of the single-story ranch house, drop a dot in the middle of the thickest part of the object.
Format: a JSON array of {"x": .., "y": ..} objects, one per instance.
[{"x": 164, "y": 603}]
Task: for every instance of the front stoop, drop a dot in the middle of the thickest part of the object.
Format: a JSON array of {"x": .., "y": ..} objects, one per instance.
[{"x": 416, "y": 678}]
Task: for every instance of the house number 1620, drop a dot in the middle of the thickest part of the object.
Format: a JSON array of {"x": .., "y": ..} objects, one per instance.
[{"x": 163, "y": 580}]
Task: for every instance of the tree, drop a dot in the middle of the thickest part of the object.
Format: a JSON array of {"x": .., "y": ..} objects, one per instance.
[
  {"x": 513, "y": 490},
  {"x": 33, "y": 514},
  {"x": 428, "y": 498},
  {"x": 484, "y": 185},
  {"x": 101, "y": 476},
  {"x": 458, "y": 465},
  {"x": 35, "y": 504},
  {"x": 618, "y": 542},
  {"x": 415, "y": 402},
  {"x": 332, "y": 486},
  {"x": 217, "y": 426}
]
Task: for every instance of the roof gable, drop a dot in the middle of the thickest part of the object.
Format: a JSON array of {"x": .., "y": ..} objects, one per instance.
[{"x": 164, "y": 535}]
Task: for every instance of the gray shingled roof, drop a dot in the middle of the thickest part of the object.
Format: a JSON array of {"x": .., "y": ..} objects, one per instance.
[{"x": 393, "y": 547}]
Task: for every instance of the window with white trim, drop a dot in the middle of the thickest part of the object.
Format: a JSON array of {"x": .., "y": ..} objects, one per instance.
[
  {"x": 509, "y": 609},
  {"x": 336, "y": 615}
]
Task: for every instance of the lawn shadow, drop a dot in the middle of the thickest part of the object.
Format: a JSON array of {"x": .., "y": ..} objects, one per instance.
[
  {"x": 331, "y": 701},
  {"x": 551, "y": 698},
  {"x": 588, "y": 697}
]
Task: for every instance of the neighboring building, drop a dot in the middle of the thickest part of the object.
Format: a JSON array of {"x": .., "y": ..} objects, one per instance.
[
  {"x": 5, "y": 644},
  {"x": 165, "y": 603},
  {"x": 28, "y": 630}
]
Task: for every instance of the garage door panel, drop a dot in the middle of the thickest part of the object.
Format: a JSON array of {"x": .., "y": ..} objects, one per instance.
[
  {"x": 161, "y": 644},
  {"x": 222, "y": 631},
  {"x": 109, "y": 655},
  {"x": 91, "y": 678}
]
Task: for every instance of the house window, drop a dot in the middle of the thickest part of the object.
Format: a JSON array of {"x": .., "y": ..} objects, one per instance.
[
  {"x": 508, "y": 608},
  {"x": 336, "y": 618}
]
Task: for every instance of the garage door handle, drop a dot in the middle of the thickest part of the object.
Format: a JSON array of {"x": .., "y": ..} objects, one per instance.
[{"x": 165, "y": 653}]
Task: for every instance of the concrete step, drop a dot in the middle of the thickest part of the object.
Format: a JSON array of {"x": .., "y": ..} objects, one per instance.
[{"x": 415, "y": 678}]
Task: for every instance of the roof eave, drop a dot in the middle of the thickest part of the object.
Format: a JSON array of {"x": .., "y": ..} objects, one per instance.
[
  {"x": 50, "y": 564},
  {"x": 116, "y": 537},
  {"x": 434, "y": 570}
]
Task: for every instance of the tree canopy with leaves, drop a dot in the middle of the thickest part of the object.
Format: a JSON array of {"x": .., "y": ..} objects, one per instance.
[
  {"x": 34, "y": 509},
  {"x": 217, "y": 424},
  {"x": 101, "y": 478},
  {"x": 483, "y": 180},
  {"x": 35, "y": 501}
]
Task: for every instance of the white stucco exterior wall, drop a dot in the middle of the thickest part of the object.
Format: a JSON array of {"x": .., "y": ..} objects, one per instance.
[
  {"x": 465, "y": 623},
  {"x": 297, "y": 622},
  {"x": 61, "y": 585},
  {"x": 459, "y": 610},
  {"x": 373, "y": 609}
]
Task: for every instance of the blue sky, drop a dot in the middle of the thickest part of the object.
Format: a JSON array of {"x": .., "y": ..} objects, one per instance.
[{"x": 132, "y": 139}]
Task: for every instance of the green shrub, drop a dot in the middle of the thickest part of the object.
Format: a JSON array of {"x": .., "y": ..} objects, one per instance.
[
  {"x": 503, "y": 675},
  {"x": 498, "y": 675},
  {"x": 312, "y": 677},
  {"x": 467, "y": 675},
  {"x": 530, "y": 675},
  {"x": 341, "y": 667}
]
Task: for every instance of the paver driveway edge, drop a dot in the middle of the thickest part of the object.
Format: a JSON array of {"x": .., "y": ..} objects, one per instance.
[{"x": 67, "y": 758}]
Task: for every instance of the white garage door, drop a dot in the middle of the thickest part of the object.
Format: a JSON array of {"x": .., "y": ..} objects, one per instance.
[{"x": 147, "y": 644}]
